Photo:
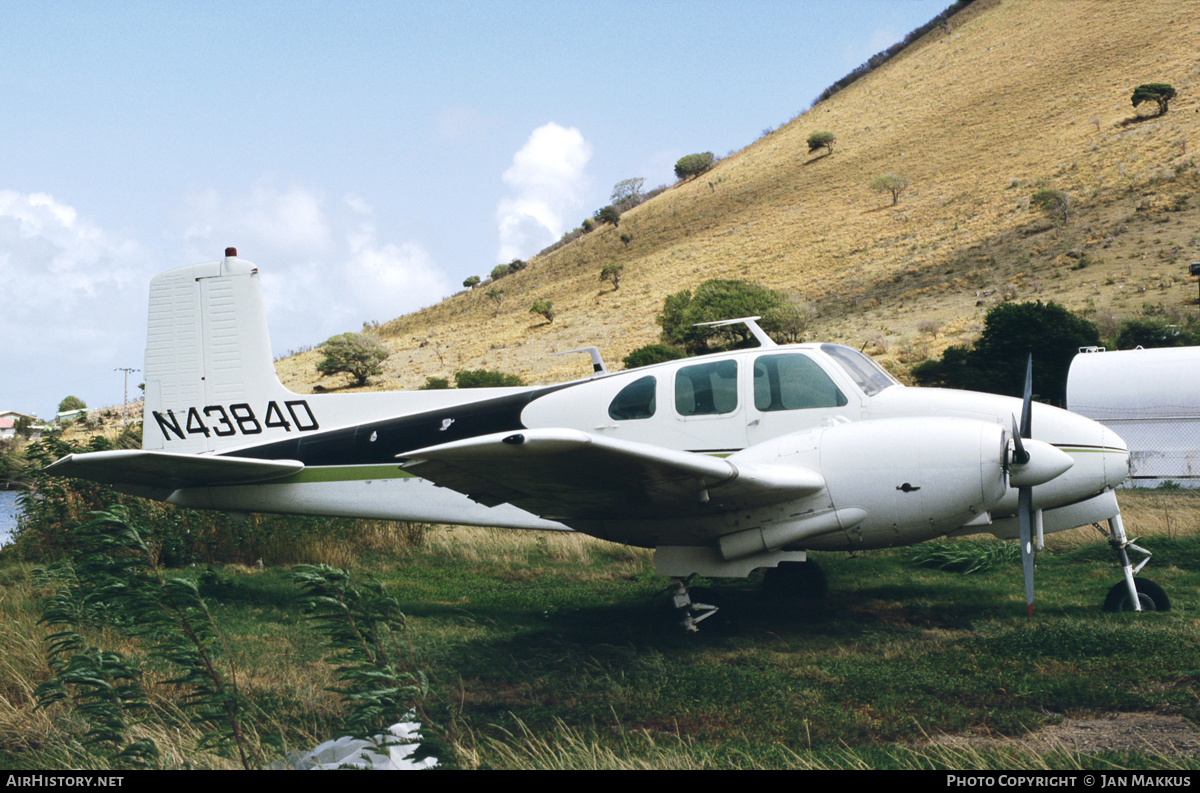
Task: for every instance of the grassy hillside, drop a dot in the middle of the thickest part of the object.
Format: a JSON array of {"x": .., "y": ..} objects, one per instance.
[{"x": 1018, "y": 95}]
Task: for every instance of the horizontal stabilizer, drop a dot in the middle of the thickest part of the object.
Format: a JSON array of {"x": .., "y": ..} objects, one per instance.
[
  {"x": 564, "y": 473},
  {"x": 170, "y": 470}
]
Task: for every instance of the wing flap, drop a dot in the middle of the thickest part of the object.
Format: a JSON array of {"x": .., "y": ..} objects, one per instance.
[
  {"x": 170, "y": 470},
  {"x": 563, "y": 473}
]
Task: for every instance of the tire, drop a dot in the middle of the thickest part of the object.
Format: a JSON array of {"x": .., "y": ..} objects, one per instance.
[
  {"x": 1151, "y": 595},
  {"x": 795, "y": 579}
]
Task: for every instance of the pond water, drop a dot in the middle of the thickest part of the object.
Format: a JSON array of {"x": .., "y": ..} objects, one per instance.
[{"x": 8, "y": 514}]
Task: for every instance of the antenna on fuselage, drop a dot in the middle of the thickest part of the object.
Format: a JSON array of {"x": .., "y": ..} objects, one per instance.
[
  {"x": 751, "y": 324},
  {"x": 598, "y": 366}
]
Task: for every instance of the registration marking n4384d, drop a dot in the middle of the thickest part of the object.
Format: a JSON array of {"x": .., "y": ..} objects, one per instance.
[{"x": 236, "y": 419}]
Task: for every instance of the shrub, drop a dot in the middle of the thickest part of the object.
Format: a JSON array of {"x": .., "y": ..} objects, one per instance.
[
  {"x": 588, "y": 225},
  {"x": 543, "y": 307},
  {"x": 1159, "y": 93},
  {"x": 1054, "y": 203},
  {"x": 692, "y": 165},
  {"x": 499, "y": 271},
  {"x": 496, "y": 296},
  {"x": 821, "y": 140},
  {"x": 356, "y": 354},
  {"x": 893, "y": 183},
  {"x": 652, "y": 353},
  {"x": 486, "y": 378},
  {"x": 471, "y": 282},
  {"x": 435, "y": 384}
]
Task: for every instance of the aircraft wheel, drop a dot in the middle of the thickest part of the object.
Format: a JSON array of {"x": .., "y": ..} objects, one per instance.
[
  {"x": 795, "y": 579},
  {"x": 1151, "y": 596}
]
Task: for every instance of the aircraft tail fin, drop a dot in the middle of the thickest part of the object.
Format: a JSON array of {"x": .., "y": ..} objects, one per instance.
[{"x": 210, "y": 376}]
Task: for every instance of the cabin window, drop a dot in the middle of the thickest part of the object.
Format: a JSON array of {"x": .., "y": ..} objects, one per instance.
[
  {"x": 706, "y": 389},
  {"x": 866, "y": 374},
  {"x": 634, "y": 401},
  {"x": 793, "y": 382}
]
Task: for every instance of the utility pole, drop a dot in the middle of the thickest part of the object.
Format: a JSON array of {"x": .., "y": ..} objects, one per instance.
[{"x": 125, "y": 409}]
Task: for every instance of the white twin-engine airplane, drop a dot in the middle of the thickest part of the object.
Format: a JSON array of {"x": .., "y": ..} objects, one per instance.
[{"x": 723, "y": 464}]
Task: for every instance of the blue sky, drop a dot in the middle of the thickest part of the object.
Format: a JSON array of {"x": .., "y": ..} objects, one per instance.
[{"x": 367, "y": 156}]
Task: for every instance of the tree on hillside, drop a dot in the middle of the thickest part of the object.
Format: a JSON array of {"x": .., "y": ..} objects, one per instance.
[
  {"x": 996, "y": 362},
  {"x": 1155, "y": 332},
  {"x": 356, "y": 354},
  {"x": 1054, "y": 203},
  {"x": 496, "y": 296},
  {"x": 71, "y": 403},
  {"x": 471, "y": 282},
  {"x": 821, "y": 140},
  {"x": 692, "y": 165},
  {"x": 788, "y": 321},
  {"x": 893, "y": 183},
  {"x": 716, "y": 300},
  {"x": 609, "y": 214},
  {"x": 628, "y": 192},
  {"x": 1159, "y": 93},
  {"x": 612, "y": 272}
]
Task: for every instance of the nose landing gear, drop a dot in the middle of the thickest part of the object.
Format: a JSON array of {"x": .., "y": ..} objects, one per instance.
[{"x": 1132, "y": 594}]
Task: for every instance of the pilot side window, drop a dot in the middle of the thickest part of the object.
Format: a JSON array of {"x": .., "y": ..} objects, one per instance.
[
  {"x": 706, "y": 389},
  {"x": 634, "y": 401},
  {"x": 793, "y": 382}
]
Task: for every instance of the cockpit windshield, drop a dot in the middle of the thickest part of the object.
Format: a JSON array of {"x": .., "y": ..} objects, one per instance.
[{"x": 866, "y": 374}]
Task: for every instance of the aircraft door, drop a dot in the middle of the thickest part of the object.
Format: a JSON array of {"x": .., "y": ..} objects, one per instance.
[
  {"x": 709, "y": 415},
  {"x": 791, "y": 392}
]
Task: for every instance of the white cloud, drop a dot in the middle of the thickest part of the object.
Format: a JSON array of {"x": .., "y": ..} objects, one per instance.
[
  {"x": 324, "y": 271},
  {"x": 69, "y": 288},
  {"x": 286, "y": 223},
  {"x": 547, "y": 181}
]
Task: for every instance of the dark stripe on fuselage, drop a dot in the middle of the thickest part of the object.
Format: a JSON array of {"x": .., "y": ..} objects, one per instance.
[{"x": 380, "y": 441}]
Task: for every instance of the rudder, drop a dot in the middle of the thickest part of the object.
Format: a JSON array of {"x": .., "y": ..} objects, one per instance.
[{"x": 208, "y": 358}]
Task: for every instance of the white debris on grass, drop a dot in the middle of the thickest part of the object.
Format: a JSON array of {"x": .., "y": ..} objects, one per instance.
[{"x": 390, "y": 752}]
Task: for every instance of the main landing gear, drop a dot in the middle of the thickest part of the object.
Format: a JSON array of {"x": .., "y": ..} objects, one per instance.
[
  {"x": 1132, "y": 594},
  {"x": 693, "y": 613}
]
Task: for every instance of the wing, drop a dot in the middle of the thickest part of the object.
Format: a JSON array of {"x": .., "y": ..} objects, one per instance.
[
  {"x": 561, "y": 474},
  {"x": 168, "y": 470}
]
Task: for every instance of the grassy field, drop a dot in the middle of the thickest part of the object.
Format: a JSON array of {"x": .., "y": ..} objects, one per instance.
[{"x": 551, "y": 651}]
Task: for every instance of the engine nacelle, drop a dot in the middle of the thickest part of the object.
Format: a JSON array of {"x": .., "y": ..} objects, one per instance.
[{"x": 914, "y": 478}]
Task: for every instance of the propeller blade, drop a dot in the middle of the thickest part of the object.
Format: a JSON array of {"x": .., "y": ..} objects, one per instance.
[
  {"x": 1027, "y": 402},
  {"x": 1025, "y": 520},
  {"x": 1025, "y": 494},
  {"x": 1020, "y": 455}
]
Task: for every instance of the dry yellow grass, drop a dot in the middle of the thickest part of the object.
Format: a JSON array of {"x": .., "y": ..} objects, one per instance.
[{"x": 1019, "y": 94}]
